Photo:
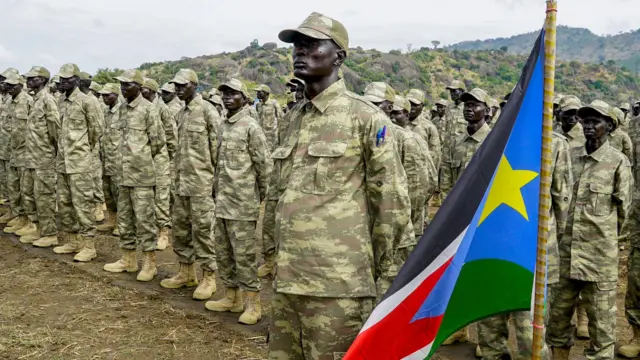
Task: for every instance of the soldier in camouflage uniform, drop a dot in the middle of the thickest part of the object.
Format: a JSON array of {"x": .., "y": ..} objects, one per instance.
[
  {"x": 455, "y": 126},
  {"x": 79, "y": 134},
  {"x": 20, "y": 184},
  {"x": 438, "y": 120},
  {"x": 163, "y": 167},
  {"x": 111, "y": 154},
  {"x": 42, "y": 132},
  {"x": 84, "y": 86},
  {"x": 143, "y": 160},
  {"x": 194, "y": 209},
  {"x": 242, "y": 178},
  {"x": 295, "y": 93},
  {"x": 269, "y": 114},
  {"x": 5, "y": 139},
  {"x": 423, "y": 127},
  {"x": 589, "y": 249},
  {"x": 216, "y": 100},
  {"x": 570, "y": 125},
  {"x": 495, "y": 112},
  {"x": 95, "y": 90},
  {"x": 625, "y": 108},
  {"x": 341, "y": 176},
  {"x": 619, "y": 139},
  {"x": 168, "y": 95}
]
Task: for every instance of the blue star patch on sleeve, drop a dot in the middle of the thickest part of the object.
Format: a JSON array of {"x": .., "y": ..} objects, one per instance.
[{"x": 381, "y": 135}]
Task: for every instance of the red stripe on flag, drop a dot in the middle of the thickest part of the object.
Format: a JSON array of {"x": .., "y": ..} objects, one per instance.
[{"x": 394, "y": 337}]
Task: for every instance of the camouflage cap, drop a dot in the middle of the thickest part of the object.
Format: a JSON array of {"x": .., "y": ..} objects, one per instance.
[
  {"x": 264, "y": 88},
  {"x": 168, "y": 87},
  {"x": 185, "y": 76},
  {"x": 570, "y": 102},
  {"x": 457, "y": 84},
  {"x": 150, "y": 84},
  {"x": 38, "y": 71},
  {"x": 95, "y": 86},
  {"x": 493, "y": 102},
  {"x": 85, "y": 76},
  {"x": 619, "y": 114},
  {"x": 14, "y": 79},
  {"x": 378, "y": 92},
  {"x": 477, "y": 94},
  {"x": 625, "y": 106},
  {"x": 9, "y": 71},
  {"x": 434, "y": 108},
  {"x": 442, "y": 102},
  {"x": 110, "y": 88},
  {"x": 216, "y": 99},
  {"x": 236, "y": 85},
  {"x": 131, "y": 76},
  {"x": 55, "y": 79},
  {"x": 400, "y": 103},
  {"x": 69, "y": 70},
  {"x": 599, "y": 107},
  {"x": 557, "y": 98},
  {"x": 320, "y": 27},
  {"x": 416, "y": 96}
]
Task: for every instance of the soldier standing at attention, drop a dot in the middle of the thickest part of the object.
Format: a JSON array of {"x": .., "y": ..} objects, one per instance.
[
  {"x": 80, "y": 131},
  {"x": 194, "y": 209},
  {"x": 571, "y": 127},
  {"x": 423, "y": 127},
  {"x": 20, "y": 182},
  {"x": 111, "y": 155},
  {"x": 589, "y": 249},
  {"x": 455, "y": 126},
  {"x": 619, "y": 138},
  {"x": 142, "y": 149},
  {"x": 84, "y": 86},
  {"x": 242, "y": 178},
  {"x": 168, "y": 95},
  {"x": 43, "y": 125},
  {"x": 163, "y": 173},
  {"x": 439, "y": 118},
  {"x": 5, "y": 146},
  {"x": 341, "y": 175},
  {"x": 269, "y": 114}
]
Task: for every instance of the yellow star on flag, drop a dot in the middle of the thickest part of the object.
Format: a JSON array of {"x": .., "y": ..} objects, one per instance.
[{"x": 506, "y": 190}]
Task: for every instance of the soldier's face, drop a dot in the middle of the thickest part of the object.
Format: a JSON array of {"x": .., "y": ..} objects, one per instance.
[
  {"x": 441, "y": 110},
  {"x": 400, "y": 117},
  {"x": 185, "y": 91},
  {"x": 455, "y": 94},
  {"x": 262, "y": 96},
  {"x": 475, "y": 111},
  {"x": 67, "y": 84},
  {"x": 596, "y": 126},
  {"x": 13, "y": 89},
  {"x": 636, "y": 109},
  {"x": 110, "y": 99},
  {"x": 315, "y": 59},
  {"x": 386, "y": 106},
  {"x": 568, "y": 119},
  {"x": 130, "y": 90},
  {"x": 416, "y": 110},
  {"x": 148, "y": 94},
  {"x": 291, "y": 87},
  {"x": 232, "y": 99},
  {"x": 167, "y": 96},
  {"x": 35, "y": 82}
]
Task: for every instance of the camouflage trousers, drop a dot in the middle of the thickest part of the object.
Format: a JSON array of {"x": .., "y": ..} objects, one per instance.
[
  {"x": 163, "y": 206},
  {"x": 192, "y": 231},
  {"x": 632, "y": 298},
  {"x": 98, "y": 193},
  {"x": 28, "y": 196},
  {"x": 4, "y": 192},
  {"x": 110, "y": 191},
  {"x": 314, "y": 328},
  {"x": 493, "y": 334},
  {"x": 236, "y": 249},
  {"x": 137, "y": 218},
  {"x": 76, "y": 203},
  {"x": 600, "y": 302},
  {"x": 269, "y": 228},
  {"x": 445, "y": 182},
  {"x": 14, "y": 175},
  {"x": 44, "y": 188}
]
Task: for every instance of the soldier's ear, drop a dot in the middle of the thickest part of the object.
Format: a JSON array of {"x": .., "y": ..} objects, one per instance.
[{"x": 341, "y": 55}]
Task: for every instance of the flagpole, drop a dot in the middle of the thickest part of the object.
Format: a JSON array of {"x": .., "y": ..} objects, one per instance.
[{"x": 544, "y": 209}]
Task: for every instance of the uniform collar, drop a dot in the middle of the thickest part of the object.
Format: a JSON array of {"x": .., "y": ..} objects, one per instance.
[
  {"x": 195, "y": 103},
  {"x": 136, "y": 102},
  {"x": 74, "y": 95},
  {"x": 20, "y": 96},
  {"x": 481, "y": 134},
  {"x": 39, "y": 95},
  {"x": 175, "y": 100},
  {"x": 115, "y": 108},
  {"x": 239, "y": 115},
  {"x": 599, "y": 154},
  {"x": 323, "y": 100},
  {"x": 575, "y": 132}
]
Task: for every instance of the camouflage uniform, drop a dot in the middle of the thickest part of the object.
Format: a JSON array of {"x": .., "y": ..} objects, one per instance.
[
  {"x": 5, "y": 149},
  {"x": 43, "y": 125},
  {"x": 455, "y": 126},
  {"x": 20, "y": 187},
  {"x": 342, "y": 258},
  {"x": 575, "y": 136},
  {"x": 425, "y": 128},
  {"x": 111, "y": 154},
  {"x": 194, "y": 209},
  {"x": 98, "y": 194},
  {"x": 589, "y": 248},
  {"x": 462, "y": 150},
  {"x": 620, "y": 140},
  {"x": 268, "y": 116},
  {"x": 163, "y": 167}
]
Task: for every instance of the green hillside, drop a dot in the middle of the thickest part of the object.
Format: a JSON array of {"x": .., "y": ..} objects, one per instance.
[{"x": 427, "y": 69}]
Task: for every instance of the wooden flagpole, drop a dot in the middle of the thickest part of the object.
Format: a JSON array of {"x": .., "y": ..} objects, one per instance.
[{"x": 544, "y": 209}]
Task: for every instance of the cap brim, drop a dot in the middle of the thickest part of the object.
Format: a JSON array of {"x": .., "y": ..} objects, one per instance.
[
  {"x": 590, "y": 109},
  {"x": 12, "y": 82},
  {"x": 124, "y": 79},
  {"x": 103, "y": 92},
  {"x": 414, "y": 101},
  {"x": 32, "y": 74},
  {"x": 66, "y": 75},
  {"x": 374, "y": 99},
  {"x": 454, "y": 88},
  {"x": 288, "y": 35},
  {"x": 398, "y": 108},
  {"x": 469, "y": 96},
  {"x": 569, "y": 108},
  {"x": 179, "y": 81},
  {"x": 167, "y": 90}
]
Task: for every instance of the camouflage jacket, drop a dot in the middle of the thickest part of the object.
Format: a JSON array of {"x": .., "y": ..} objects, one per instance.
[
  {"x": 598, "y": 211},
  {"x": 111, "y": 141},
  {"x": 428, "y": 132},
  {"x": 621, "y": 141},
  {"x": 42, "y": 134},
  {"x": 169, "y": 127},
  {"x": 575, "y": 136},
  {"x": 440, "y": 126},
  {"x": 244, "y": 168},
  {"x": 19, "y": 110},
  {"x": 561, "y": 193},
  {"x": 344, "y": 200},
  {"x": 79, "y": 133},
  {"x": 196, "y": 156},
  {"x": 143, "y": 148},
  {"x": 495, "y": 118},
  {"x": 462, "y": 150},
  {"x": 455, "y": 124},
  {"x": 97, "y": 161},
  {"x": 274, "y": 192},
  {"x": 422, "y": 177},
  {"x": 5, "y": 128},
  {"x": 175, "y": 106},
  {"x": 268, "y": 116}
]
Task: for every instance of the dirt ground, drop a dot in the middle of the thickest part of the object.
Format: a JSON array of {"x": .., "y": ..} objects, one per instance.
[{"x": 53, "y": 308}]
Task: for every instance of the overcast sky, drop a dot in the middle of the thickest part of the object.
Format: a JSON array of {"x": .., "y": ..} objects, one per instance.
[{"x": 126, "y": 33}]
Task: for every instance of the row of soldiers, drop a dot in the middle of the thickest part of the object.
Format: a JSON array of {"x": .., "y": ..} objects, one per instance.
[{"x": 345, "y": 181}]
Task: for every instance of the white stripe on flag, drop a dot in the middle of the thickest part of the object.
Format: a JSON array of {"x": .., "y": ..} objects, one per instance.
[
  {"x": 420, "y": 354},
  {"x": 387, "y": 306}
]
